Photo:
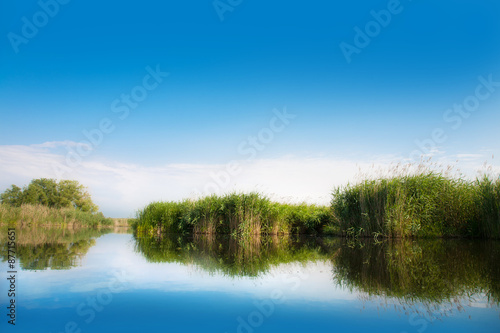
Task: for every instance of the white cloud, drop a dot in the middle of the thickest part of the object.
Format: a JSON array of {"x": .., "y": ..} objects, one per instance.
[{"x": 120, "y": 189}]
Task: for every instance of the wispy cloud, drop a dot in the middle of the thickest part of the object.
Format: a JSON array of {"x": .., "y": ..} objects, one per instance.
[
  {"x": 470, "y": 157},
  {"x": 55, "y": 144}
]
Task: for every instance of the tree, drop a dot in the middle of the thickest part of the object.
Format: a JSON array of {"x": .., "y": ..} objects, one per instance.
[
  {"x": 71, "y": 193},
  {"x": 12, "y": 196},
  {"x": 41, "y": 191},
  {"x": 49, "y": 192}
]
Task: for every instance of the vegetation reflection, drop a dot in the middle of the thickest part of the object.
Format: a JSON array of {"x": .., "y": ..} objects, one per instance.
[
  {"x": 249, "y": 256},
  {"x": 54, "y": 248},
  {"x": 410, "y": 270},
  {"x": 424, "y": 270}
]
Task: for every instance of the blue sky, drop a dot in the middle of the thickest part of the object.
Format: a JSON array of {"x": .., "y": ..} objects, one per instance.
[{"x": 229, "y": 67}]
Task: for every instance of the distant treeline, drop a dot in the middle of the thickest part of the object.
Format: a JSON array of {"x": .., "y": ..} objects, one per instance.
[{"x": 426, "y": 204}]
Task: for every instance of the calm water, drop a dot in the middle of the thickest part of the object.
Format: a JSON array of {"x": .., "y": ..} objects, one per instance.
[{"x": 93, "y": 282}]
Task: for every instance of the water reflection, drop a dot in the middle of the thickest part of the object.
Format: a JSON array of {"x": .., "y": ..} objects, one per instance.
[
  {"x": 431, "y": 279},
  {"x": 434, "y": 271},
  {"x": 54, "y": 248},
  {"x": 324, "y": 283},
  {"x": 230, "y": 256}
]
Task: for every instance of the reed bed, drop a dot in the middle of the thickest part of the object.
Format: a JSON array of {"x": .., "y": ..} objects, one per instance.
[
  {"x": 405, "y": 201},
  {"x": 425, "y": 204},
  {"x": 235, "y": 214},
  {"x": 42, "y": 215}
]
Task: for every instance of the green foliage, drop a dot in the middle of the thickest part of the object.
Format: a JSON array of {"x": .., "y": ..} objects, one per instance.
[
  {"x": 164, "y": 216},
  {"x": 487, "y": 203},
  {"x": 234, "y": 213},
  {"x": 12, "y": 196},
  {"x": 49, "y": 192},
  {"x": 308, "y": 219},
  {"x": 423, "y": 205}
]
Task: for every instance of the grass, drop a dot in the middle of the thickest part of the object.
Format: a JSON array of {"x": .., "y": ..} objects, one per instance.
[
  {"x": 46, "y": 216},
  {"x": 425, "y": 204},
  {"x": 236, "y": 214}
]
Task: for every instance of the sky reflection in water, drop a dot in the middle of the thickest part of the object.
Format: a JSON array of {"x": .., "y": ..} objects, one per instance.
[{"x": 266, "y": 285}]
